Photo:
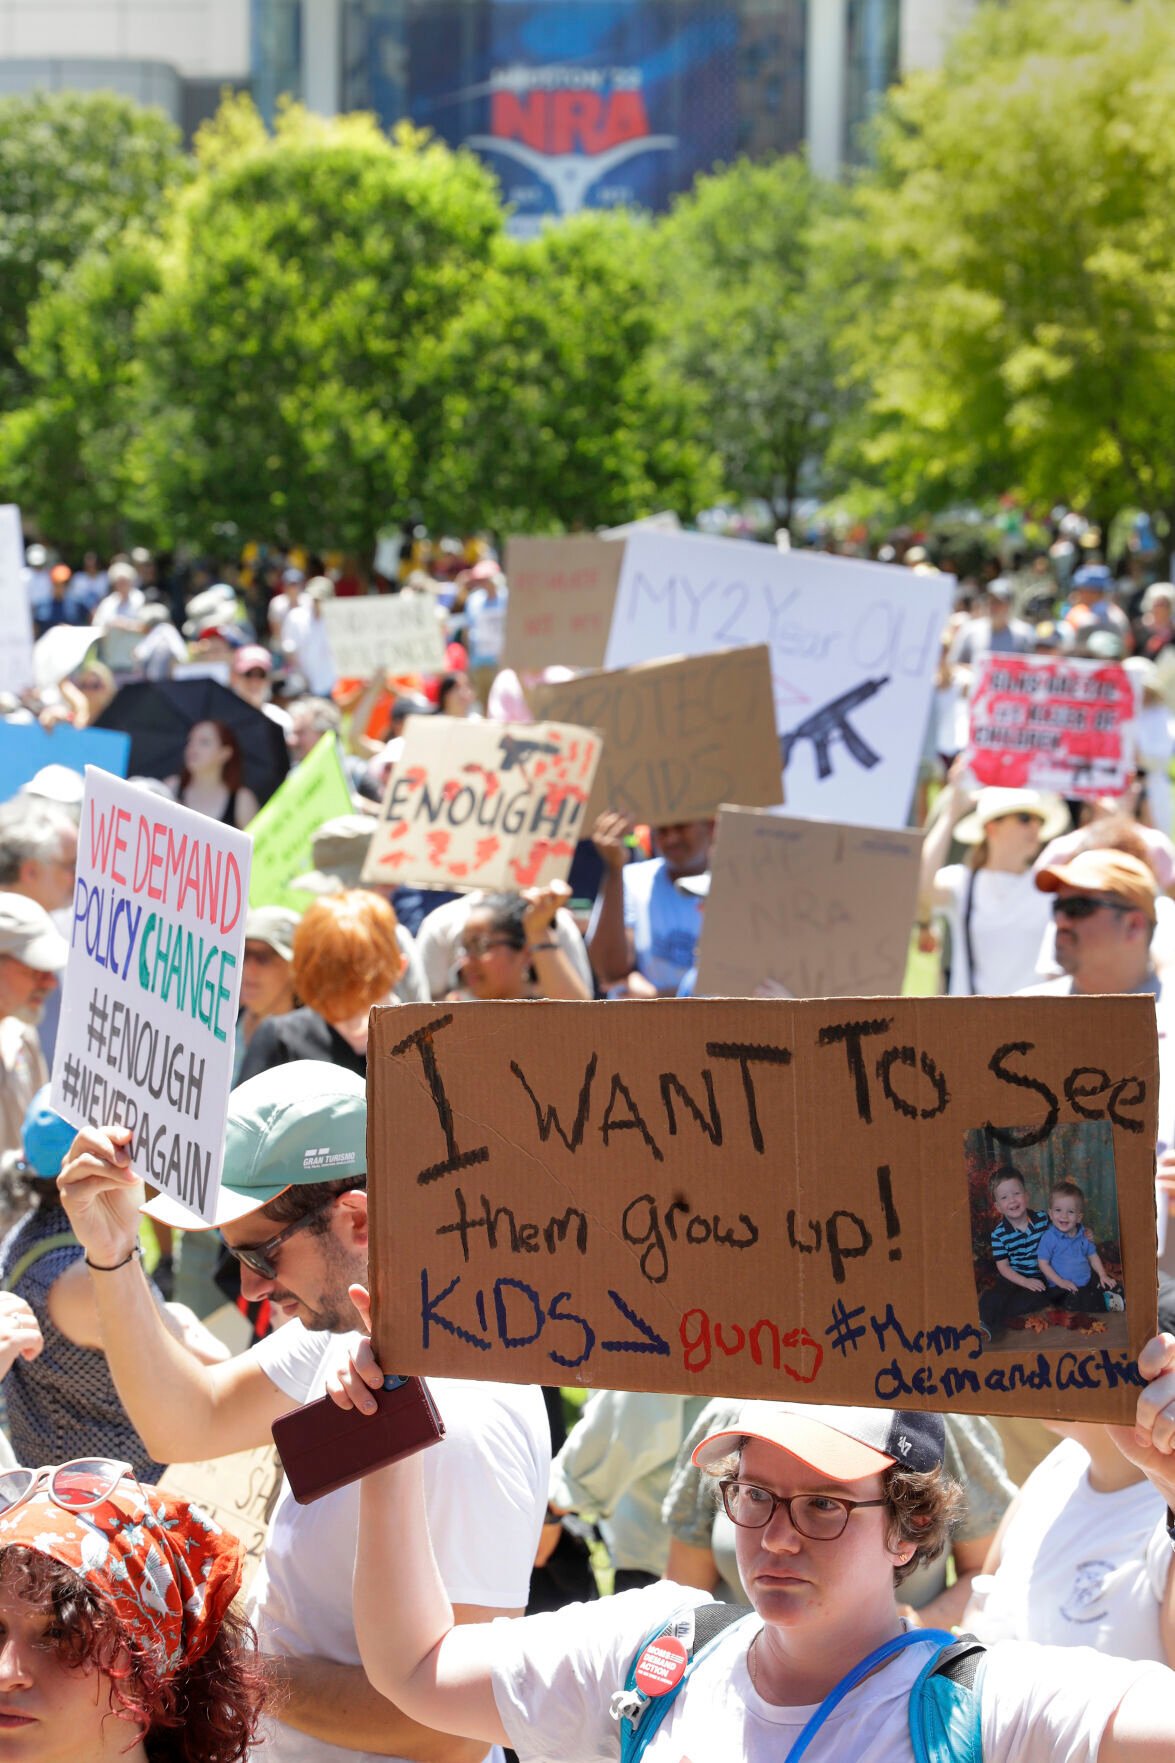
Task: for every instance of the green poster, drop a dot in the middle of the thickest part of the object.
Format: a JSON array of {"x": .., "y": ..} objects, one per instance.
[{"x": 282, "y": 832}]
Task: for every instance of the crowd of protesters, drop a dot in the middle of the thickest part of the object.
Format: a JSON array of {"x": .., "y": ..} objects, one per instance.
[{"x": 995, "y": 1529}]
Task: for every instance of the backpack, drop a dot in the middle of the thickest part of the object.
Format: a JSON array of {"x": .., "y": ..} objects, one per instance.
[{"x": 945, "y": 1700}]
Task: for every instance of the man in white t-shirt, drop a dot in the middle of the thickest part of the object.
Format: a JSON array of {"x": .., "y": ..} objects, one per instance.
[
  {"x": 294, "y": 1212},
  {"x": 644, "y": 930}
]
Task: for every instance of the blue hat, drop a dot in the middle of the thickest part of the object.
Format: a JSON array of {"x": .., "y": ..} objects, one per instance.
[
  {"x": 46, "y": 1137},
  {"x": 1093, "y": 575}
]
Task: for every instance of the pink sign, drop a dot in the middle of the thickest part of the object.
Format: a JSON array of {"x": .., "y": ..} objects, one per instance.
[{"x": 1044, "y": 722}]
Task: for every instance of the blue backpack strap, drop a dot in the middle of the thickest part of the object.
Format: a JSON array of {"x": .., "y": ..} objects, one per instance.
[
  {"x": 640, "y": 1715},
  {"x": 946, "y": 1705},
  {"x": 853, "y": 1676}
]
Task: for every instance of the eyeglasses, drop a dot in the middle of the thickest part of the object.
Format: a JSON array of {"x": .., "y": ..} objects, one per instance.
[
  {"x": 75, "y": 1486},
  {"x": 819, "y": 1517},
  {"x": 1085, "y": 905},
  {"x": 258, "y": 1257},
  {"x": 478, "y": 946}
]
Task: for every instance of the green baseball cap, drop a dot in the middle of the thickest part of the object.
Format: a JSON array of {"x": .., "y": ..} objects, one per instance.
[{"x": 295, "y": 1124}]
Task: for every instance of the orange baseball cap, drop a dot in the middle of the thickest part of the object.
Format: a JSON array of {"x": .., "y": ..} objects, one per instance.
[{"x": 1104, "y": 872}]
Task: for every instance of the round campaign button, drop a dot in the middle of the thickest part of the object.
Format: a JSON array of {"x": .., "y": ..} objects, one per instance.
[{"x": 661, "y": 1666}]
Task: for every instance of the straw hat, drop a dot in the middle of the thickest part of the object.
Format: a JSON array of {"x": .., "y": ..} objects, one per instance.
[{"x": 997, "y": 801}]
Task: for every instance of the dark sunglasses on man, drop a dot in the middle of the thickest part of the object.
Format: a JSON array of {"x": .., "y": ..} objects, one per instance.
[
  {"x": 259, "y": 1257},
  {"x": 1085, "y": 905}
]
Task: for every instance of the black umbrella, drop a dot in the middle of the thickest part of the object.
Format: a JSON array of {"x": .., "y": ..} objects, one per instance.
[{"x": 158, "y": 714}]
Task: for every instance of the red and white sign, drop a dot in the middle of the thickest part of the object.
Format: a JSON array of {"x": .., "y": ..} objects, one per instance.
[{"x": 1044, "y": 722}]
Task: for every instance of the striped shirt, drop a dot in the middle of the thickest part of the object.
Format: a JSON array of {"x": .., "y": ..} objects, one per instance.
[{"x": 1020, "y": 1247}]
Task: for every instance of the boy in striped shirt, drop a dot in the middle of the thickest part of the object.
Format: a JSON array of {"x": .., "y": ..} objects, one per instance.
[{"x": 1020, "y": 1287}]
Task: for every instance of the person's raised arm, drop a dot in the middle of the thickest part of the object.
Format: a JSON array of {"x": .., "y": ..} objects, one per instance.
[
  {"x": 182, "y": 1410},
  {"x": 554, "y": 969},
  {"x": 609, "y": 941},
  {"x": 412, "y": 1649},
  {"x": 950, "y": 808}
]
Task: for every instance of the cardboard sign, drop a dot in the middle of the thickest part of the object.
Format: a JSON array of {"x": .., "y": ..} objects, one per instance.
[
  {"x": 150, "y": 995},
  {"x": 824, "y": 910},
  {"x": 756, "y": 1198},
  {"x": 493, "y": 805},
  {"x": 854, "y": 647},
  {"x": 240, "y": 1492},
  {"x": 679, "y": 736},
  {"x": 16, "y": 619},
  {"x": 559, "y": 610},
  {"x": 396, "y": 631},
  {"x": 25, "y": 747},
  {"x": 283, "y": 831},
  {"x": 1043, "y": 722}
]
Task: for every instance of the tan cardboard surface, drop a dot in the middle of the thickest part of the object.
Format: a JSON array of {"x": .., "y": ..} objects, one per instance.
[
  {"x": 766, "y": 1199},
  {"x": 680, "y": 736},
  {"x": 239, "y": 1491},
  {"x": 562, "y": 592},
  {"x": 824, "y": 910},
  {"x": 483, "y": 804}
]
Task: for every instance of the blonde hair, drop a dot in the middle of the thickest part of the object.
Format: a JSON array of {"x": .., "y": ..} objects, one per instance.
[{"x": 346, "y": 954}]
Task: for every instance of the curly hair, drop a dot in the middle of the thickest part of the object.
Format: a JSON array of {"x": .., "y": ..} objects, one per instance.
[
  {"x": 346, "y": 955},
  {"x": 206, "y": 1712}
]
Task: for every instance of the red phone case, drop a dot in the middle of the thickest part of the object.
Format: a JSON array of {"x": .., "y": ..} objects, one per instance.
[{"x": 323, "y": 1446}]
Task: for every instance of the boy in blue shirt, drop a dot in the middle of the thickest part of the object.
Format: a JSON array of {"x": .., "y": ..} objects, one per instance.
[{"x": 1068, "y": 1256}]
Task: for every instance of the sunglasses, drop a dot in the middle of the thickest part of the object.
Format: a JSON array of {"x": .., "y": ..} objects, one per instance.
[
  {"x": 478, "y": 946},
  {"x": 254, "y": 673},
  {"x": 259, "y": 1257},
  {"x": 75, "y": 1486},
  {"x": 89, "y": 685},
  {"x": 1020, "y": 817},
  {"x": 1085, "y": 905}
]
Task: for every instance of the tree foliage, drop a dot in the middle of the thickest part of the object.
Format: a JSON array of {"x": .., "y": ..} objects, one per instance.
[
  {"x": 555, "y": 414},
  {"x": 285, "y": 356},
  {"x": 1013, "y": 313},
  {"x": 76, "y": 171},
  {"x": 747, "y": 326}
]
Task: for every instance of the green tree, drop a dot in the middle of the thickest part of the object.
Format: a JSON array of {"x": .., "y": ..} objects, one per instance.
[
  {"x": 1013, "y": 311},
  {"x": 554, "y": 414},
  {"x": 746, "y": 323},
  {"x": 286, "y": 357},
  {"x": 66, "y": 452},
  {"x": 76, "y": 169}
]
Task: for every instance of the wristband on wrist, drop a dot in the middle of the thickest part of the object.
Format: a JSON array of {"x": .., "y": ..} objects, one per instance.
[
  {"x": 540, "y": 948},
  {"x": 136, "y": 1253}
]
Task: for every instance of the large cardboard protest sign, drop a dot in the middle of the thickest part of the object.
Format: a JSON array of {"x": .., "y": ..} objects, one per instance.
[
  {"x": 854, "y": 647},
  {"x": 758, "y": 1198},
  {"x": 823, "y": 910},
  {"x": 483, "y": 805},
  {"x": 1047, "y": 722},
  {"x": 396, "y": 631},
  {"x": 283, "y": 831},
  {"x": 26, "y": 747},
  {"x": 240, "y": 1492},
  {"x": 16, "y": 620},
  {"x": 152, "y": 985},
  {"x": 562, "y": 592},
  {"x": 680, "y": 736}
]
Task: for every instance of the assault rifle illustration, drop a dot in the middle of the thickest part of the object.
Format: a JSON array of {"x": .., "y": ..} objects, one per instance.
[{"x": 831, "y": 722}]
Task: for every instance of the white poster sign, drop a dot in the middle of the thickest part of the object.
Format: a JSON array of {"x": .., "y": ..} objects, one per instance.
[
  {"x": 397, "y": 631},
  {"x": 152, "y": 984},
  {"x": 16, "y": 619},
  {"x": 854, "y": 647}
]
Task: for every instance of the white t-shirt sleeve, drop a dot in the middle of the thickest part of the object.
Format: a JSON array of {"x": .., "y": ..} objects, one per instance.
[
  {"x": 1052, "y": 1704},
  {"x": 554, "y": 1676},
  {"x": 291, "y": 1358},
  {"x": 485, "y": 1545}
]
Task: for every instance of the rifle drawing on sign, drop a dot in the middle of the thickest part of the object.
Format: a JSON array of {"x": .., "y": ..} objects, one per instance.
[{"x": 831, "y": 722}]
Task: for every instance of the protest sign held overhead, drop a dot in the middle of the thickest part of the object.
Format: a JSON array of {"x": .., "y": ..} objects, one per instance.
[
  {"x": 680, "y": 736},
  {"x": 16, "y": 619},
  {"x": 562, "y": 592},
  {"x": 854, "y": 648},
  {"x": 283, "y": 832},
  {"x": 399, "y": 632},
  {"x": 1045, "y": 722},
  {"x": 483, "y": 805},
  {"x": 823, "y": 910},
  {"x": 757, "y": 1198},
  {"x": 152, "y": 984}
]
